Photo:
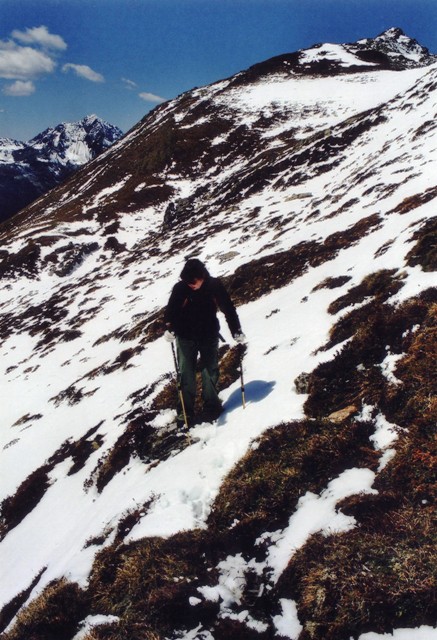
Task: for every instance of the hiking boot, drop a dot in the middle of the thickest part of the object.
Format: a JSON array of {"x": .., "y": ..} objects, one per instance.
[{"x": 211, "y": 413}]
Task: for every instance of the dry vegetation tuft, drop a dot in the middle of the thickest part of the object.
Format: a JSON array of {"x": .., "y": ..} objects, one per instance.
[
  {"x": 54, "y": 615},
  {"x": 424, "y": 252},
  {"x": 361, "y": 581},
  {"x": 262, "y": 491},
  {"x": 151, "y": 581}
]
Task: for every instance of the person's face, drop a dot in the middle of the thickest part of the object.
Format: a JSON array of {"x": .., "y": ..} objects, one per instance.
[{"x": 196, "y": 284}]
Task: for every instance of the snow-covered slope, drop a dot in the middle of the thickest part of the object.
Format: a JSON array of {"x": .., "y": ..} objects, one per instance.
[
  {"x": 28, "y": 170},
  {"x": 7, "y": 149},
  {"x": 293, "y": 189}
]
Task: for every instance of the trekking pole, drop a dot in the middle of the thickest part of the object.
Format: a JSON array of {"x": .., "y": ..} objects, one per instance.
[
  {"x": 243, "y": 397},
  {"x": 179, "y": 386}
]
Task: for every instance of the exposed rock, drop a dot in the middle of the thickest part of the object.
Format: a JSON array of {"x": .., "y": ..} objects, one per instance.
[{"x": 342, "y": 414}]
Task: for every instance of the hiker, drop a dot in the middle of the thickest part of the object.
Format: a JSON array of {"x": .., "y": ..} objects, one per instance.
[{"x": 191, "y": 320}]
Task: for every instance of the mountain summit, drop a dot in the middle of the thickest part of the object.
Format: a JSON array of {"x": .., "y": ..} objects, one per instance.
[
  {"x": 308, "y": 185},
  {"x": 76, "y": 143},
  {"x": 392, "y": 49},
  {"x": 402, "y": 51},
  {"x": 27, "y": 170}
]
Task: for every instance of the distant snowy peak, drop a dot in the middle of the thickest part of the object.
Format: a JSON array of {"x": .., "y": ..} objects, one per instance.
[
  {"x": 30, "y": 169},
  {"x": 76, "y": 142},
  {"x": 7, "y": 149}
]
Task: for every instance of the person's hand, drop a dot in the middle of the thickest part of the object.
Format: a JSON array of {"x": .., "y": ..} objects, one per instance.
[
  {"x": 240, "y": 338},
  {"x": 169, "y": 336}
]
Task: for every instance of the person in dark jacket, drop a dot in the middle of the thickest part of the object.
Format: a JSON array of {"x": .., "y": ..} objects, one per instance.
[{"x": 191, "y": 320}]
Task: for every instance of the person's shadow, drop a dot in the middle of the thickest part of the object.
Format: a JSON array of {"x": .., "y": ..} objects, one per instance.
[{"x": 255, "y": 391}]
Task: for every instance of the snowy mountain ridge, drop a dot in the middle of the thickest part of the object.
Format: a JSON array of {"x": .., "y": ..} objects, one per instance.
[
  {"x": 312, "y": 196},
  {"x": 76, "y": 142},
  {"x": 48, "y": 159},
  {"x": 399, "y": 47},
  {"x": 395, "y": 49},
  {"x": 391, "y": 50}
]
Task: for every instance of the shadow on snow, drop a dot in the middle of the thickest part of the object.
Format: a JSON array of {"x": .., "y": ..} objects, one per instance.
[{"x": 255, "y": 391}]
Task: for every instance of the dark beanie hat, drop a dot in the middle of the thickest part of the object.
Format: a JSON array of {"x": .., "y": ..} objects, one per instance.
[{"x": 193, "y": 270}]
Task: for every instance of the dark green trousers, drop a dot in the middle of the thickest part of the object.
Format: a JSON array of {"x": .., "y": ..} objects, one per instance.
[{"x": 188, "y": 350}]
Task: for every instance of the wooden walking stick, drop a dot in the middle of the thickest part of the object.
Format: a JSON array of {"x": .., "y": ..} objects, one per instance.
[
  {"x": 243, "y": 397},
  {"x": 179, "y": 386}
]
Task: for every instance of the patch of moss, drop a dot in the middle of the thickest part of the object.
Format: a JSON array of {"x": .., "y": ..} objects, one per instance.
[
  {"x": 23, "y": 263},
  {"x": 122, "y": 630},
  {"x": 382, "y": 574}
]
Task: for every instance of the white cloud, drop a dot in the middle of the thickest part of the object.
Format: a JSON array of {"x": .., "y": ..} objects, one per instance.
[
  {"x": 151, "y": 97},
  {"x": 83, "y": 71},
  {"x": 130, "y": 84},
  {"x": 40, "y": 36},
  {"x": 23, "y": 63},
  {"x": 19, "y": 88}
]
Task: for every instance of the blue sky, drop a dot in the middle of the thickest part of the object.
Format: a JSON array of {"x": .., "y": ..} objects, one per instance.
[{"x": 63, "y": 59}]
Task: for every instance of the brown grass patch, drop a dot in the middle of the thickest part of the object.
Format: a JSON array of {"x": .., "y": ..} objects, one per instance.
[
  {"x": 152, "y": 580},
  {"x": 379, "y": 285},
  {"x": 15, "y": 508},
  {"x": 382, "y": 574},
  {"x": 11, "y": 609},
  {"x": 123, "y": 631},
  {"x": 412, "y": 202},
  {"x": 353, "y": 375},
  {"x": 263, "y": 489},
  {"x": 259, "y": 277},
  {"x": 332, "y": 283},
  {"x": 356, "y": 582},
  {"x": 424, "y": 252},
  {"x": 54, "y": 615}
]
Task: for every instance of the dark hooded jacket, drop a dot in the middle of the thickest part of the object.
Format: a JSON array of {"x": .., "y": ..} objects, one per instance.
[{"x": 193, "y": 314}]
